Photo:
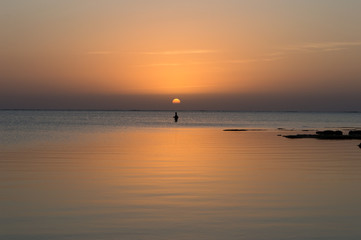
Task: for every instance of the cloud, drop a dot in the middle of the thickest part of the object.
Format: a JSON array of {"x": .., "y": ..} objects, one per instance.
[
  {"x": 229, "y": 61},
  {"x": 310, "y": 47},
  {"x": 100, "y": 53},
  {"x": 160, "y": 65},
  {"x": 281, "y": 53},
  {"x": 181, "y": 52},
  {"x": 319, "y": 47}
]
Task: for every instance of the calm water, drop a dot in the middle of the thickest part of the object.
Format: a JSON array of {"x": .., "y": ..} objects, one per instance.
[
  {"x": 138, "y": 175},
  {"x": 20, "y": 126}
]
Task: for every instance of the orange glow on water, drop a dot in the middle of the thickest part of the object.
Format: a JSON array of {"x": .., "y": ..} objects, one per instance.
[{"x": 186, "y": 177}]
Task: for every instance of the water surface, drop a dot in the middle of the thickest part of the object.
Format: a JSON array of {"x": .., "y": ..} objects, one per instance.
[{"x": 118, "y": 181}]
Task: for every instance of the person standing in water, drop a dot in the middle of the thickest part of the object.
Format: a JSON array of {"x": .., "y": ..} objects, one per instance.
[
  {"x": 176, "y": 101},
  {"x": 175, "y": 117}
]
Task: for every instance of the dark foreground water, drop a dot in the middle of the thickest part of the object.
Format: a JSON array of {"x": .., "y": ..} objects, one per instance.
[{"x": 138, "y": 175}]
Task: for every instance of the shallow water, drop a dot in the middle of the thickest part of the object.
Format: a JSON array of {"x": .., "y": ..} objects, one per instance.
[
  {"x": 18, "y": 126},
  {"x": 166, "y": 183},
  {"x": 179, "y": 183}
]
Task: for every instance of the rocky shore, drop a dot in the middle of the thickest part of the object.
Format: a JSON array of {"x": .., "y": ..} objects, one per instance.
[{"x": 329, "y": 134}]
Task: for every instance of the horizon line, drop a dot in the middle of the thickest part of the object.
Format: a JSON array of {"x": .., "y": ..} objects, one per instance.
[{"x": 172, "y": 110}]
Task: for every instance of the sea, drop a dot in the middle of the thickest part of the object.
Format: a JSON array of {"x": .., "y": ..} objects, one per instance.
[
  {"x": 28, "y": 125},
  {"x": 141, "y": 175}
]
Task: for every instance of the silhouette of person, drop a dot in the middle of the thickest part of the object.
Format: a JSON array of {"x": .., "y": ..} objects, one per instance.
[{"x": 175, "y": 117}]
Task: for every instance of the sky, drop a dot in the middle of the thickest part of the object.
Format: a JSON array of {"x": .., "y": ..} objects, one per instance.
[{"x": 259, "y": 55}]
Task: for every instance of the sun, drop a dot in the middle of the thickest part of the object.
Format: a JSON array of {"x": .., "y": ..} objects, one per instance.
[{"x": 176, "y": 101}]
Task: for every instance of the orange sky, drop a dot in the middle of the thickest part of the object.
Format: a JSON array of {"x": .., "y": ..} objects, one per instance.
[{"x": 202, "y": 50}]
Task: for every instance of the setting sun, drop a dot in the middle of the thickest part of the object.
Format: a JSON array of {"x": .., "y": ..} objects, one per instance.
[{"x": 176, "y": 101}]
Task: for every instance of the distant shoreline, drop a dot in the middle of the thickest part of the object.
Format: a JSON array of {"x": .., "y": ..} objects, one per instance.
[{"x": 166, "y": 110}]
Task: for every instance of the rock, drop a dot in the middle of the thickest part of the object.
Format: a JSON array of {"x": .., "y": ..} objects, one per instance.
[
  {"x": 301, "y": 136},
  {"x": 329, "y": 133},
  {"x": 235, "y": 130},
  {"x": 355, "y": 133},
  {"x": 242, "y": 129},
  {"x": 359, "y": 145}
]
